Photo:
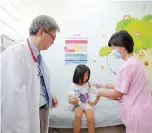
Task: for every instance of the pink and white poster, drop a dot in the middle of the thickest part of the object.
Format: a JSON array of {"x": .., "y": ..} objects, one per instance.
[{"x": 76, "y": 50}]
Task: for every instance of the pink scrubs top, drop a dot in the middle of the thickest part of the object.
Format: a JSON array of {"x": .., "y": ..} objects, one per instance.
[{"x": 136, "y": 101}]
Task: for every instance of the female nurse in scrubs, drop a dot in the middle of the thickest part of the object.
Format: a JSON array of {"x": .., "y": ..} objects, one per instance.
[{"x": 132, "y": 86}]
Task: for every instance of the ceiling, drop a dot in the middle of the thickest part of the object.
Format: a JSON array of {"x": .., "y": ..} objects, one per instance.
[{"x": 32, "y": 8}]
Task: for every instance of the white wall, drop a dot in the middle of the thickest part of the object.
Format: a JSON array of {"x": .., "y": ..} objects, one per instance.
[
  {"x": 94, "y": 19},
  {"x": 91, "y": 20}
]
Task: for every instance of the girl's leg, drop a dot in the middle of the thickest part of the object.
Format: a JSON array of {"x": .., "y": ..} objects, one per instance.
[
  {"x": 90, "y": 119},
  {"x": 78, "y": 117}
]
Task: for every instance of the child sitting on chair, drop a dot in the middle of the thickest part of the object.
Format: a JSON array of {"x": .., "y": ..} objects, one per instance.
[{"x": 79, "y": 95}]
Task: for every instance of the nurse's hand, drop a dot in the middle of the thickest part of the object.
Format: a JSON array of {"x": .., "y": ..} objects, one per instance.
[
  {"x": 55, "y": 102},
  {"x": 97, "y": 85}
]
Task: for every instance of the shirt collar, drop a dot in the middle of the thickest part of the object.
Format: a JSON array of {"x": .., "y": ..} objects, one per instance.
[{"x": 35, "y": 50}]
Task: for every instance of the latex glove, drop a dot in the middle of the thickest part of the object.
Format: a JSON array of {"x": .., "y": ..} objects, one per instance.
[{"x": 98, "y": 85}]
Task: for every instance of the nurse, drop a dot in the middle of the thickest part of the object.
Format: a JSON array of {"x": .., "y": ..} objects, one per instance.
[{"x": 132, "y": 86}]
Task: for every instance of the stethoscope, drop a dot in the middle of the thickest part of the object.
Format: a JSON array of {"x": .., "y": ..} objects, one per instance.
[
  {"x": 109, "y": 66},
  {"x": 35, "y": 60}
]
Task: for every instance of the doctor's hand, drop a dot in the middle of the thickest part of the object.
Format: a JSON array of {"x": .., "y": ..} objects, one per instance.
[{"x": 55, "y": 102}]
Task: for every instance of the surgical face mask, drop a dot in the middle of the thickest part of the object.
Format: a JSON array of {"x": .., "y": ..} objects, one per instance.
[{"x": 116, "y": 54}]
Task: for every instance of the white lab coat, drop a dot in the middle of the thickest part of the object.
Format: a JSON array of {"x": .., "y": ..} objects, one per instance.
[{"x": 20, "y": 93}]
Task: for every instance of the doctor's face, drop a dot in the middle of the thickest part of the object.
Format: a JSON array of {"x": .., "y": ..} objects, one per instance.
[
  {"x": 49, "y": 39},
  {"x": 46, "y": 39}
]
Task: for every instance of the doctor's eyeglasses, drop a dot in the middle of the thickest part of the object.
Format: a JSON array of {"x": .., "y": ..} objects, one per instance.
[{"x": 50, "y": 35}]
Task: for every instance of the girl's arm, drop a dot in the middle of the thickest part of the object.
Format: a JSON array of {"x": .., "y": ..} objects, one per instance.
[
  {"x": 95, "y": 102},
  {"x": 96, "y": 92},
  {"x": 73, "y": 101}
]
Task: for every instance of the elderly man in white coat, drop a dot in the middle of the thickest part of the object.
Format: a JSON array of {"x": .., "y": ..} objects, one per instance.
[{"x": 25, "y": 82}]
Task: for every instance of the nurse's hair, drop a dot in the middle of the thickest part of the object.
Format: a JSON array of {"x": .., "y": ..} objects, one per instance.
[
  {"x": 45, "y": 22},
  {"x": 79, "y": 72},
  {"x": 122, "y": 39}
]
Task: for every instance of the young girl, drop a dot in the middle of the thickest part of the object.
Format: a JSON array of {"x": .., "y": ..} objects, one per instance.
[{"x": 81, "y": 103}]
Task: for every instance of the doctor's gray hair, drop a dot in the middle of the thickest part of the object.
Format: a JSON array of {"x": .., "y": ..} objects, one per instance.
[{"x": 45, "y": 22}]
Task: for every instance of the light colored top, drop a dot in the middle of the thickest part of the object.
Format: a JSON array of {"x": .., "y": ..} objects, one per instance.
[
  {"x": 136, "y": 101},
  {"x": 83, "y": 91}
]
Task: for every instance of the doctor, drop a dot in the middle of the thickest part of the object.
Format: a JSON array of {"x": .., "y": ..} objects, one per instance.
[{"x": 25, "y": 82}]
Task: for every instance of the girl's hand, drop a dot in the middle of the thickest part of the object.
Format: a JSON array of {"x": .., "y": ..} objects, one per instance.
[
  {"x": 91, "y": 103},
  {"x": 74, "y": 101}
]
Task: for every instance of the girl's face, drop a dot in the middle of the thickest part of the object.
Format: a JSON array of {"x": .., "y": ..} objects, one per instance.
[{"x": 86, "y": 76}]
